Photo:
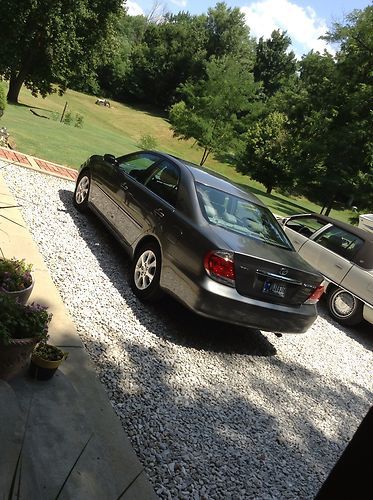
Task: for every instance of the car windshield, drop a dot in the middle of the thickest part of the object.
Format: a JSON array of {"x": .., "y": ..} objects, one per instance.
[{"x": 240, "y": 216}]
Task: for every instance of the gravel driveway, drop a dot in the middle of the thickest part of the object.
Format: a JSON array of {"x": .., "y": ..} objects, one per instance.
[{"x": 213, "y": 411}]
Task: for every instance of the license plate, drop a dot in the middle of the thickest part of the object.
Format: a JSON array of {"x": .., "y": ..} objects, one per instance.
[{"x": 273, "y": 288}]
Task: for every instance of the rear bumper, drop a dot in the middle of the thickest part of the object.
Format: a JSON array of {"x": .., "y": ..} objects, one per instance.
[{"x": 224, "y": 303}]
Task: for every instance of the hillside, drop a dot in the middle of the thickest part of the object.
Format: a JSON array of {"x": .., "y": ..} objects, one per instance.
[{"x": 115, "y": 130}]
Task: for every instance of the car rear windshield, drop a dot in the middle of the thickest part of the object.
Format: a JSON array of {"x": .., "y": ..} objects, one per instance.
[{"x": 240, "y": 216}]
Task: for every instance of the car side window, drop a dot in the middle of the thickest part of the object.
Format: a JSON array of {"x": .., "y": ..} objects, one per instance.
[
  {"x": 138, "y": 166},
  {"x": 340, "y": 241},
  {"x": 305, "y": 226},
  {"x": 165, "y": 181}
]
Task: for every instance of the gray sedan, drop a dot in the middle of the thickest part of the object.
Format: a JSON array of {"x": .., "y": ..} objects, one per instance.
[{"x": 207, "y": 242}]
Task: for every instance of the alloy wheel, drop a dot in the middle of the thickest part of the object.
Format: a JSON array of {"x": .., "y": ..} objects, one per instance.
[
  {"x": 145, "y": 269},
  {"x": 82, "y": 190}
]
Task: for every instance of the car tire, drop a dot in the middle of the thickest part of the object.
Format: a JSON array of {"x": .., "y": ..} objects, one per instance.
[
  {"x": 146, "y": 273},
  {"x": 344, "y": 307},
  {"x": 81, "y": 193}
]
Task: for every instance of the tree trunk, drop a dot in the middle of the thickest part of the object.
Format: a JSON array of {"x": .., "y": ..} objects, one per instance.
[
  {"x": 15, "y": 84},
  {"x": 329, "y": 206},
  {"x": 269, "y": 189},
  {"x": 17, "y": 79},
  {"x": 204, "y": 156}
]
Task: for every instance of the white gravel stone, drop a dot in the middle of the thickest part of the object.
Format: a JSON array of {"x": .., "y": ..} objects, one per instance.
[{"x": 213, "y": 411}]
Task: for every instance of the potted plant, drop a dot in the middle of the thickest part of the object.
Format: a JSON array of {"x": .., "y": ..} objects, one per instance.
[
  {"x": 45, "y": 360},
  {"x": 21, "y": 328},
  {"x": 16, "y": 279}
]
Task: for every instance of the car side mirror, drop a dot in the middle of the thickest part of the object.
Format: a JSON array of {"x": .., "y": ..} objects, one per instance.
[{"x": 110, "y": 159}]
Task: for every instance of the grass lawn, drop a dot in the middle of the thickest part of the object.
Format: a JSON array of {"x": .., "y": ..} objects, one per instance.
[{"x": 117, "y": 130}]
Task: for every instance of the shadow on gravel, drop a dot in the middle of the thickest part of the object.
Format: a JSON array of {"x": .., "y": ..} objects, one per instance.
[
  {"x": 274, "y": 441},
  {"x": 179, "y": 325},
  {"x": 362, "y": 333}
]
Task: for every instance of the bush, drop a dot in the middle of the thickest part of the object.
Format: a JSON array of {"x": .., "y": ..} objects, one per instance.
[
  {"x": 55, "y": 116},
  {"x": 2, "y": 98},
  {"x": 79, "y": 119},
  {"x": 147, "y": 142},
  {"x": 68, "y": 118}
]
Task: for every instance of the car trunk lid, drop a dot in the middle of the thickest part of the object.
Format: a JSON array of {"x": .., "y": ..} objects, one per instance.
[
  {"x": 269, "y": 272},
  {"x": 274, "y": 280}
]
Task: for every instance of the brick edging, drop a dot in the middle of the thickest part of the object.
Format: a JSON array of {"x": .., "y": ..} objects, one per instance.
[{"x": 38, "y": 164}]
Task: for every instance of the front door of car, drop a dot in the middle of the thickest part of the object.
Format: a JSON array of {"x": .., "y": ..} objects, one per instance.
[
  {"x": 124, "y": 184},
  {"x": 151, "y": 205},
  {"x": 300, "y": 229}
]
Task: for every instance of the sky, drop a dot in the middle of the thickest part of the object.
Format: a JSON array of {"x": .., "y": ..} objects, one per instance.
[{"x": 303, "y": 20}]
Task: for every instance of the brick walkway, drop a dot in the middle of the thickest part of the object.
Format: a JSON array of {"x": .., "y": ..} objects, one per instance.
[{"x": 44, "y": 166}]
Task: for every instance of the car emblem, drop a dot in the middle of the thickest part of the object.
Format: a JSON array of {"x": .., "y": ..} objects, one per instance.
[{"x": 284, "y": 271}]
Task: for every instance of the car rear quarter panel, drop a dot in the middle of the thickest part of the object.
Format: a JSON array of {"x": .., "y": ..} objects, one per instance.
[{"x": 360, "y": 283}]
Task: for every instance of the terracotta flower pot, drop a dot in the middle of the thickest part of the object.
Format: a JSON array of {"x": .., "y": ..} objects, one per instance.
[
  {"x": 22, "y": 295},
  {"x": 15, "y": 356}
]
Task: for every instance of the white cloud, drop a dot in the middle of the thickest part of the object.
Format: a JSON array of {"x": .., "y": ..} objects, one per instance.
[
  {"x": 301, "y": 24},
  {"x": 180, "y": 3},
  {"x": 133, "y": 8}
]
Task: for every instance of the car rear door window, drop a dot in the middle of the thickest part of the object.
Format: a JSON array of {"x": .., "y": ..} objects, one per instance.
[
  {"x": 139, "y": 165},
  {"x": 165, "y": 181},
  {"x": 340, "y": 241}
]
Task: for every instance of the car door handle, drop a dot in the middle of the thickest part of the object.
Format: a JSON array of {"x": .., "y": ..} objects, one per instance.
[
  {"x": 159, "y": 212},
  {"x": 124, "y": 186},
  {"x": 338, "y": 266}
]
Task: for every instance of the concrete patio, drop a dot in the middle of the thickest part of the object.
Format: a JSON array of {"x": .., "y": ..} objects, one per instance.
[{"x": 68, "y": 415}]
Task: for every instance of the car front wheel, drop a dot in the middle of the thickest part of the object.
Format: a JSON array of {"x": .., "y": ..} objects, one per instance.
[
  {"x": 344, "y": 307},
  {"x": 81, "y": 192},
  {"x": 146, "y": 273}
]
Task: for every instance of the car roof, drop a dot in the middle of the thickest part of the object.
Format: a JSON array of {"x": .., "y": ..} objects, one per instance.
[
  {"x": 361, "y": 233},
  {"x": 213, "y": 179}
]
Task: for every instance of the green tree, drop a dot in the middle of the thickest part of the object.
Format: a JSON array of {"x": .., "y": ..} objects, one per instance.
[
  {"x": 169, "y": 54},
  {"x": 330, "y": 117},
  {"x": 266, "y": 152},
  {"x": 228, "y": 34},
  {"x": 212, "y": 108},
  {"x": 274, "y": 65},
  {"x": 176, "y": 49},
  {"x": 51, "y": 41}
]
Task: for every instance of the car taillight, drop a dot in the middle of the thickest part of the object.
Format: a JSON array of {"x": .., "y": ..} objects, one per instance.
[
  {"x": 219, "y": 265},
  {"x": 315, "y": 295}
]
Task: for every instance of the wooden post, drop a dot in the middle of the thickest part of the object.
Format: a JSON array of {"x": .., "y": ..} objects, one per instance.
[{"x": 63, "y": 113}]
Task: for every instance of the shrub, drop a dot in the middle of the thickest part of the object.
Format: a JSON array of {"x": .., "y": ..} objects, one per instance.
[
  {"x": 147, "y": 142},
  {"x": 55, "y": 116},
  {"x": 79, "y": 119},
  {"x": 68, "y": 118}
]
